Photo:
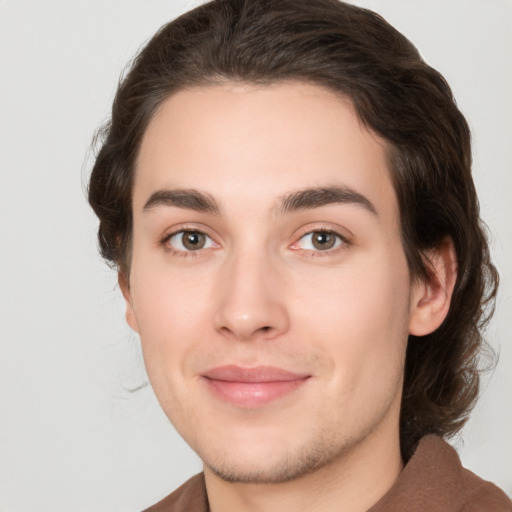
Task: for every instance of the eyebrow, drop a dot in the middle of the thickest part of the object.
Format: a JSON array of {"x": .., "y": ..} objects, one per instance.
[
  {"x": 317, "y": 197},
  {"x": 190, "y": 199},
  {"x": 304, "y": 199}
]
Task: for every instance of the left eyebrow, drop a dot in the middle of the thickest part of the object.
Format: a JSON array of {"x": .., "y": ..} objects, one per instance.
[{"x": 316, "y": 197}]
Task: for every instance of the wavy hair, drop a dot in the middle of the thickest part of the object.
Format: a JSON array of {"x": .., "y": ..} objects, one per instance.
[{"x": 356, "y": 53}]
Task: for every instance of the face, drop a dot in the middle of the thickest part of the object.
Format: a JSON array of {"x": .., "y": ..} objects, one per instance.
[{"x": 268, "y": 281}]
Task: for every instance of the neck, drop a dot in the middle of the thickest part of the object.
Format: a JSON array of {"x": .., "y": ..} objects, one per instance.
[{"x": 353, "y": 482}]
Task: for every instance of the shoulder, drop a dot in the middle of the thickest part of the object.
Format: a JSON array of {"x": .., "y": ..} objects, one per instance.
[
  {"x": 434, "y": 479},
  {"x": 470, "y": 492},
  {"x": 482, "y": 496},
  {"x": 190, "y": 497}
]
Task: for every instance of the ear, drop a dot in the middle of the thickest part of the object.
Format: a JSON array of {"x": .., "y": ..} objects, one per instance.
[
  {"x": 431, "y": 297},
  {"x": 124, "y": 284}
]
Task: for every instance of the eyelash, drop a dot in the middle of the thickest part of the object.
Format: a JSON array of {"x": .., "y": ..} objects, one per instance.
[
  {"x": 343, "y": 243},
  {"x": 183, "y": 253}
]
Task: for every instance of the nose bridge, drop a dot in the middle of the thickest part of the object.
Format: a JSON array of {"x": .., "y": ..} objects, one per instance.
[{"x": 249, "y": 302}]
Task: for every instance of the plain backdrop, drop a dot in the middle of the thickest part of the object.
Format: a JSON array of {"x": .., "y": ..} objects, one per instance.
[{"x": 79, "y": 428}]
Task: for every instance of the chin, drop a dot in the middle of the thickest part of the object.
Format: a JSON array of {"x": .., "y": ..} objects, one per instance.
[
  {"x": 265, "y": 474},
  {"x": 272, "y": 466}
]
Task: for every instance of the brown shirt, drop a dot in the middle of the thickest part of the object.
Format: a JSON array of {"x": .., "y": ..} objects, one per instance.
[{"x": 432, "y": 481}]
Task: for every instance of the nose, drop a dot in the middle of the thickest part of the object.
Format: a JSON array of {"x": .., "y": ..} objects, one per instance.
[{"x": 250, "y": 303}]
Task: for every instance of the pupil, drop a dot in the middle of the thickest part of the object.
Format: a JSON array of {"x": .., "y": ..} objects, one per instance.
[
  {"x": 193, "y": 240},
  {"x": 323, "y": 240}
]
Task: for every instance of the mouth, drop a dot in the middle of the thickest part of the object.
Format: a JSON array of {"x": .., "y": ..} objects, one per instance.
[{"x": 252, "y": 388}]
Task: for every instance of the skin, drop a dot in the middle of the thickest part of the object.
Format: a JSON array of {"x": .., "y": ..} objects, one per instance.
[{"x": 260, "y": 293}]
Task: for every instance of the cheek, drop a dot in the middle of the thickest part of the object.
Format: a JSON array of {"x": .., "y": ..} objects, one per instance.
[
  {"x": 172, "y": 311},
  {"x": 359, "y": 317}
]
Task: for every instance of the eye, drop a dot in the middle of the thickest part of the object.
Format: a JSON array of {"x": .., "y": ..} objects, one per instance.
[
  {"x": 190, "y": 241},
  {"x": 321, "y": 240}
]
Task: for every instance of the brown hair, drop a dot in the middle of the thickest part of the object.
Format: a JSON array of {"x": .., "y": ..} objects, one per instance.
[{"x": 356, "y": 53}]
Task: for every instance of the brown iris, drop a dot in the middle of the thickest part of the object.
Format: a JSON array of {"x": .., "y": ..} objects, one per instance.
[
  {"x": 193, "y": 240},
  {"x": 323, "y": 240}
]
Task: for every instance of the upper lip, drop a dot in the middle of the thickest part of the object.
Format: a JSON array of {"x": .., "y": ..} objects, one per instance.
[{"x": 234, "y": 373}]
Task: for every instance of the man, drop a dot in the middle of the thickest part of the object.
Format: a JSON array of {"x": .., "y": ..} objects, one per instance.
[{"x": 285, "y": 188}]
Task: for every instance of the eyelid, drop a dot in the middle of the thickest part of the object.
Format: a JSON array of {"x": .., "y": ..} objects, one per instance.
[
  {"x": 178, "y": 228},
  {"x": 310, "y": 233},
  {"x": 346, "y": 239},
  {"x": 183, "y": 228},
  {"x": 343, "y": 232},
  {"x": 182, "y": 233}
]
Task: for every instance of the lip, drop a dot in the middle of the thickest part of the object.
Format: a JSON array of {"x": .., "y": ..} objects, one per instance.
[{"x": 252, "y": 387}]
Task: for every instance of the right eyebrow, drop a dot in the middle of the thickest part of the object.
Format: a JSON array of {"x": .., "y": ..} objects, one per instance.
[{"x": 190, "y": 199}]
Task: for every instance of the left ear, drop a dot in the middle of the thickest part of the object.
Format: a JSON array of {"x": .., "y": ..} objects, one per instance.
[{"x": 430, "y": 300}]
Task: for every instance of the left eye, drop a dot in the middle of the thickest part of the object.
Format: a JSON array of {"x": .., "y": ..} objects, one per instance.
[
  {"x": 320, "y": 241},
  {"x": 190, "y": 241}
]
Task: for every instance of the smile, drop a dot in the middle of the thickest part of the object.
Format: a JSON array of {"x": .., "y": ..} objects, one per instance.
[{"x": 252, "y": 387}]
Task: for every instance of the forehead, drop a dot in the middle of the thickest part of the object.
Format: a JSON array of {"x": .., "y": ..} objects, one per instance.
[{"x": 259, "y": 142}]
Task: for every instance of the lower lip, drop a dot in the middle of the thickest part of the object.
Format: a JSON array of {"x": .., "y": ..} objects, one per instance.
[{"x": 252, "y": 395}]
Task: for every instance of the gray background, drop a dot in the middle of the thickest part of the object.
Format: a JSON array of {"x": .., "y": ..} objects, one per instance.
[{"x": 72, "y": 435}]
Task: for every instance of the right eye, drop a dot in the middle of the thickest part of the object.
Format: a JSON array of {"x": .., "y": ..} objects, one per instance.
[{"x": 188, "y": 240}]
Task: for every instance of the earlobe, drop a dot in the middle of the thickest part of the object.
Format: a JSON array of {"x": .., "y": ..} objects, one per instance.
[
  {"x": 431, "y": 298},
  {"x": 130, "y": 314}
]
